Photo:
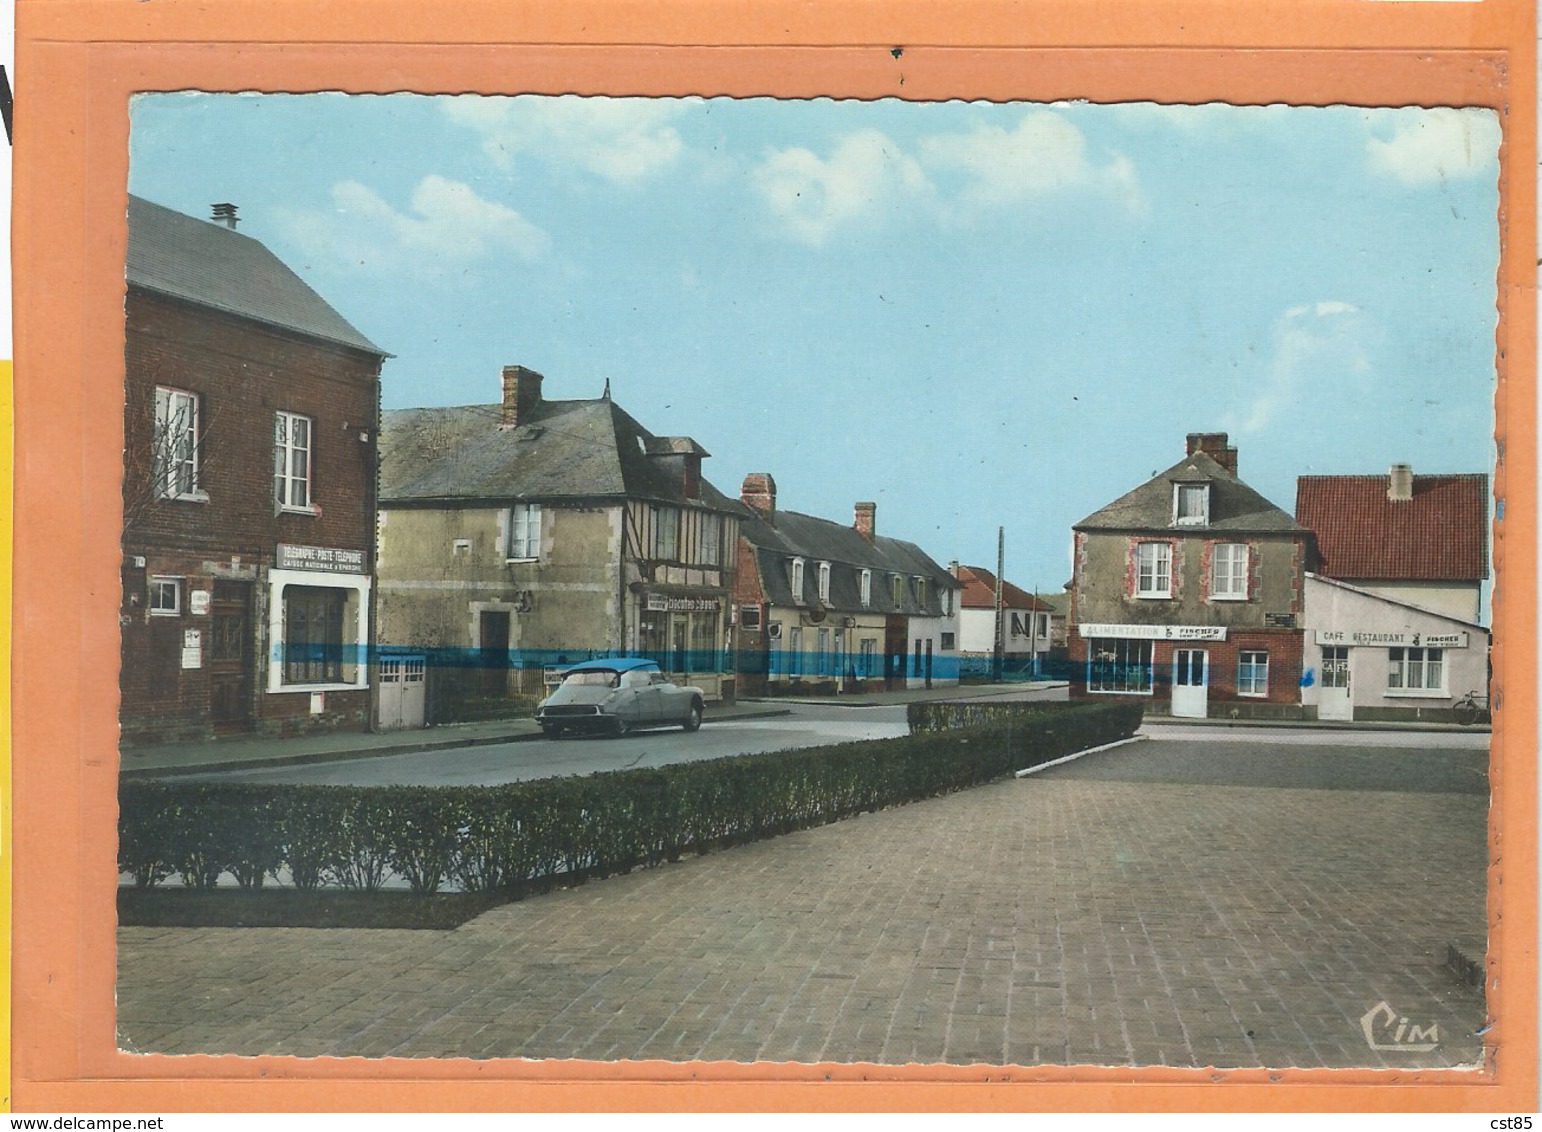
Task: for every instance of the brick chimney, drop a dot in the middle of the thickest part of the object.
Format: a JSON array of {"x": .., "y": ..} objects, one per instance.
[
  {"x": 866, "y": 520},
  {"x": 521, "y": 394},
  {"x": 1400, "y": 483},
  {"x": 759, "y": 492},
  {"x": 1213, "y": 444}
]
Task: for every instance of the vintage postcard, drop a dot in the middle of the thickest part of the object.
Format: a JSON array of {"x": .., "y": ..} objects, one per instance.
[{"x": 918, "y": 561}]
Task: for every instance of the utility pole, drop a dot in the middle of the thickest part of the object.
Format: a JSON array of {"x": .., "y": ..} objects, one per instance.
[{"x": 999, "y": 649}]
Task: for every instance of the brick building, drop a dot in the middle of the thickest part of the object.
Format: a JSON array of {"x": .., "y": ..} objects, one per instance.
[
  {"x": 248, "y": 491},
  {"x": 1188, "y": 592}
]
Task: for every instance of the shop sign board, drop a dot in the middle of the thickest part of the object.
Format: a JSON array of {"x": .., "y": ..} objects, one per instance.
[
  {"x": 1155, "y": 632},
  {"x": 1400, "y": 639},
  {"x": 322, "y": 559}
]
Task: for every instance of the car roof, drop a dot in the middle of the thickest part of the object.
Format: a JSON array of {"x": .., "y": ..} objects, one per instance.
[{"x": 613, "y": 664}]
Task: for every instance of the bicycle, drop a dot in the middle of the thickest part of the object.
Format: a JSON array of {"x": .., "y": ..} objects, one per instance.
[{"x": 1467, "y": 710}]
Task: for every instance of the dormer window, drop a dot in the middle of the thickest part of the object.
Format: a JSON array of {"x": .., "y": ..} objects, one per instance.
[
  {"x": 921, "y": 592},
  {"x": 1191, "y": 504},
  {"x": 796, "y": 567},
  {"x": 896, "y": 590},
  {"x": 867, "y": 588},
  {"x": 824, "y": 582}
]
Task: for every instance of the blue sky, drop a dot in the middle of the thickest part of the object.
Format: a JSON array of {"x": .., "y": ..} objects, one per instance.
[{"x": 974, "y": 314}]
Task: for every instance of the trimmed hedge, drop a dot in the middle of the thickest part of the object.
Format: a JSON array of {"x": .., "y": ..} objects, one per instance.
[{"x": 528, "y": 836}]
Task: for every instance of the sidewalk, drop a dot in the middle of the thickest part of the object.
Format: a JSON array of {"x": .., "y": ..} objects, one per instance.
[{"x": 249, "y": 751}]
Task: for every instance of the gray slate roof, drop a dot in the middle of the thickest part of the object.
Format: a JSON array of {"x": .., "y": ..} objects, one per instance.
[
  {"x": 816, "y": 540},
  {"x": 566, "y": 450},
  {"x": 1235, "y": 508},
  {"x": 209, "y": 264}
]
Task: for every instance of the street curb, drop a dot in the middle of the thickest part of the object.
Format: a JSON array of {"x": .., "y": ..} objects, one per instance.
[
  {"x": 1315, "y": 725},
  {"x": 311, "y": 757},
  {"x": 1078, "y": 754},
  {"x": 966, "y": 694}
]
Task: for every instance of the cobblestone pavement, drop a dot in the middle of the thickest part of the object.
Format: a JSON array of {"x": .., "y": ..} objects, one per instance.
[{"x": 1103, "y": 912}]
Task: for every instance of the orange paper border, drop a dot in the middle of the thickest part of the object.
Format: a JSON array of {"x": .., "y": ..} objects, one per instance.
[{"x": 79, "y": 60}]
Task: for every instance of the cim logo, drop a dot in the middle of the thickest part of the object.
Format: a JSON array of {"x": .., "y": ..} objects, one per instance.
[{"x": 1385, "y": 1029}]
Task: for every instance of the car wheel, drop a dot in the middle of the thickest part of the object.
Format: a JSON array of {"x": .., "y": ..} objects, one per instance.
[
  {"x": 620, "y": 727},
  {"x": 693, "y": 717}
]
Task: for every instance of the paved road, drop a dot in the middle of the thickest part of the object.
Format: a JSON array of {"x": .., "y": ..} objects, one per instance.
[
  {"x": 803, "y": 726},
  {"x": 1169, "y": 903}
]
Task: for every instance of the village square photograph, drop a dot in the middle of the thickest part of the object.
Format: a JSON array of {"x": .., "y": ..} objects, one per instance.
[{"x": 878, "y": 582}]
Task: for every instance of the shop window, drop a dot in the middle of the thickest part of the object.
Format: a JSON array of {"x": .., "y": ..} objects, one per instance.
[
  {"x": 1416, "y": 670},
  {"x": 1153, "y": 569},
  {"x": 292, "y": 462},
  {"x": 1229, "y": 571},
  {"x": 174, "y": 455},
  {"x": 1116, "y": 665},
  {"x": 1252, "y": 673},
  {"x": 313, "y": 635},
  {"x": 165, "y": 596},
  {"x": 524, "y": 532}
]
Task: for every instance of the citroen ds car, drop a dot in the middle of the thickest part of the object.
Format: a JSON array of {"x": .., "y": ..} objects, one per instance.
[{"x": 616, "y": 695}]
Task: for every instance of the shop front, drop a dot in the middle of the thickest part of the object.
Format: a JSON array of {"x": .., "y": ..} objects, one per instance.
[
  {"x": 1370, "y": 657},
  {"x": 686, "y": 636}
]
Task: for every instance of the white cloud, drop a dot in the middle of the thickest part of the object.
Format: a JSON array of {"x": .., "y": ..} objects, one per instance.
[
  {"x": 1316, "y": 345},
  {"x": 448, "y": 225},
  {"x": 1044, "y": 154},
  {"x": 813, "y": 195},
  {"x": 1432, "y": 145},
  {"x": 624, "y": 140}
]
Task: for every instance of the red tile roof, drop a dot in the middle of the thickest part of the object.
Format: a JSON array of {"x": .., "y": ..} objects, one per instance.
[
  {"x": 980, "y": 592},
  {"x": 1441, "y": 534}
]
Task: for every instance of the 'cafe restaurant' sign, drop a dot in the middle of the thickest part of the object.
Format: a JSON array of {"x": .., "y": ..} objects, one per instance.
[{"x": 1391, "y": 640}]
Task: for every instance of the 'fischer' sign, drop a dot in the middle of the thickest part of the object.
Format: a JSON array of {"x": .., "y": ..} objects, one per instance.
[
  {"x": 1391, "y": 640},
  {"x": 1156, "y": 632}
]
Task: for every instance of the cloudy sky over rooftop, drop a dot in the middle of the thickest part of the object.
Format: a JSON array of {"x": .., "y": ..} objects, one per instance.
[{"x": 974, "y": 314}]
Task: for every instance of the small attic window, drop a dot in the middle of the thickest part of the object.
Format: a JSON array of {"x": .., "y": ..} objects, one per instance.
[
  {"x": 534, "y": 432},
  {"x": 1191, "y": 504}
]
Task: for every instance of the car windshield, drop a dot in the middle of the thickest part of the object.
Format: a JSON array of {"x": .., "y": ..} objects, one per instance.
[{"x": 592, "y": 676}]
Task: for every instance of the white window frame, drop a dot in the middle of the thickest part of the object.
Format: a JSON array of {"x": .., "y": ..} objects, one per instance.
[
  {"x": 749, "y": 618},
  {"x": 795, "y": 578},
  {"x": 291, "y": 491},
  {"x": 920, "y": 583},
  {"x": 1202, "y": 491},
  {"x": 867, "y": 588},
  {"x": 1409, "y": 675},
  {"x": 1230, "y": 584},
  {"x": 522, "y": 542},
  {"x": 896, "y": 590},
  {"x": 1154, "y": 580},
  {"x": 824, "y": 582},
  {"x": 176, "y": 434},
  {"x": 1259, "y": 686},
  {"x": 795, "y": 650},
  {"x": 166, "y": 583}
]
